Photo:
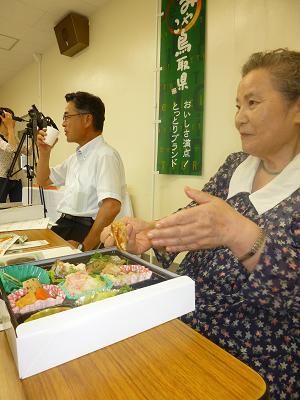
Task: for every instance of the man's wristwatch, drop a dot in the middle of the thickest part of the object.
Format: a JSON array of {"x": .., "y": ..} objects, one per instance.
[{"x": 80, "y": 247}]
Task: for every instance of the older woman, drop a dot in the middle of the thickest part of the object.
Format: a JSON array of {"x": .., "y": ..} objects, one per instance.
[{"x": 243, "y": 230}]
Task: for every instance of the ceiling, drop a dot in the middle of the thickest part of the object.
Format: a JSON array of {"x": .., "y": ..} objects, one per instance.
[{"x": 26, "y": 29}]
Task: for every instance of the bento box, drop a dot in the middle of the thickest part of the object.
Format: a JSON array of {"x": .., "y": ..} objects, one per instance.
[{"x": 154, "y": 296}]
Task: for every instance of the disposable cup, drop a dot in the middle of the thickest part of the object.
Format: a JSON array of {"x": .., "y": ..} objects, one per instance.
[{"x": 51, "y": 135}]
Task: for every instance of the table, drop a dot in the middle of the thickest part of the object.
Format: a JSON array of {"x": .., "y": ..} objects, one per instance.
[
  {"x": 56, "y": 247},
  {"x": 43, "y": 234},
  {"x": 171, "y": 361}
]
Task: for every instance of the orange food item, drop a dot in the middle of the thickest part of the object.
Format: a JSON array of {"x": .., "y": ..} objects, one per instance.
[
  {"x": 29, "y": 298},
  {"x": 41, "y": 294}
]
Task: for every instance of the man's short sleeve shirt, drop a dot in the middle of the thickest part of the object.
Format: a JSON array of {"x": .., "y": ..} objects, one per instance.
[{"x": 95, "y": 172}]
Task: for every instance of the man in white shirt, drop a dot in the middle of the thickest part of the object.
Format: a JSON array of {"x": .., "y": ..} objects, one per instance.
[{"x": 93, "y": 177}]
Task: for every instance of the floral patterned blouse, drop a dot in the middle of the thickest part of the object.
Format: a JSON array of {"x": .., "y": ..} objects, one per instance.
[
  {"x": 7, "y": 152},
  {"x": 254, "y": 316}
]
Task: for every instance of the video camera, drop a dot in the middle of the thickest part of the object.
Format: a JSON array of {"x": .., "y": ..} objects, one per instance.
[{"x": 38, "y": 119}]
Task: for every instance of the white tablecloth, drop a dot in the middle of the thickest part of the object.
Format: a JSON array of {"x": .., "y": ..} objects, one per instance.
[{"x": 53, "y": 197}]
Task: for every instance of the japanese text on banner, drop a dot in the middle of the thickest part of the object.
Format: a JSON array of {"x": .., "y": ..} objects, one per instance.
[{"x": 181, "y": 87}]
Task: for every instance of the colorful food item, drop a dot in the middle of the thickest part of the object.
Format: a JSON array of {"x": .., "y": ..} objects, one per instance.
[
  {"x": 29, "y": 298},
  {"x": 107, "y": 258},
  {"x": 136, "y": 269},
  {"x": 119, "y": 232},
  {"x": 129, "y": 274},
  {"x": 62, "y": 269},
  {"x": 41, "y": 294},
  {"x": 23, "y": 301},
  {"x": 125, "y": 289},
  {"x": 96, "y": 296},
  {"x": 112, "y": 269},
  {"x": 78, "y": 283},
  {"x": 5, "y": 277},
  {"x": 99, "y": 261},
  {"x": 32, "y": 284},
  {"x": 24, "y": 273},
  {"x": 46, "y": 313}
]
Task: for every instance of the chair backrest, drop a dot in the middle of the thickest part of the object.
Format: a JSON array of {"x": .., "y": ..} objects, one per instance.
[{"x": 126, "y": 209}]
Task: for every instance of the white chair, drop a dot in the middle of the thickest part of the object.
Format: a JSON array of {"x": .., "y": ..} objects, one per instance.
[{"x": 126, "y": 208}]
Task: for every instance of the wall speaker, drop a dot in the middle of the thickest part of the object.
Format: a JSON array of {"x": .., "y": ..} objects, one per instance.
[{"x": 72, "y": 34}]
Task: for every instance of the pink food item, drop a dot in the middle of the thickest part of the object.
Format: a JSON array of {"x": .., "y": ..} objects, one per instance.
[
  {"x": 57, "y": 296},
  {"x": 135, "y": 268},
  {"x": 79, "y": 282},
  {"x": 131, "y": 274}
]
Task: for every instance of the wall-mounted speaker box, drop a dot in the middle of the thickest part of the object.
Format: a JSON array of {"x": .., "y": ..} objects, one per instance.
[{"x": 72, "y": 34}]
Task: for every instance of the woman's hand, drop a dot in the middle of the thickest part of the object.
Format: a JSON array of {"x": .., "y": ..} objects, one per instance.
[
  {"x": 9, "y": 125},
  {"x": 8, "y": 122},
  {"x": 138, "y": 241},
  {"x": 211, "y": 224}
]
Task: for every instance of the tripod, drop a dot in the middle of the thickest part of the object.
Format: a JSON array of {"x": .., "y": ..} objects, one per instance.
[{"x": 37, "y": 120}]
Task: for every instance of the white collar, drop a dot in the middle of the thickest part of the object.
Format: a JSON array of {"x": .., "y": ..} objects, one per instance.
[
  {"x": 281, "y": 187},
  {"x": 82, "y": 151}
]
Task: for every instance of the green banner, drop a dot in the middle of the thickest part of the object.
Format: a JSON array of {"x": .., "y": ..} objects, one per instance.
[{"x": 181, "y": 100}]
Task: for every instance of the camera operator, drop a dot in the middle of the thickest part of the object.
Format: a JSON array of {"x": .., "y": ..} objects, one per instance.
[{"x": 8, "y": 144}]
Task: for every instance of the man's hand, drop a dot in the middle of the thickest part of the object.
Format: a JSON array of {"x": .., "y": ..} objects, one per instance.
[
  {"x": 43, "y": 170},
  {"x": 73, "y": 243},
  {"x": 43, "y": 147}
]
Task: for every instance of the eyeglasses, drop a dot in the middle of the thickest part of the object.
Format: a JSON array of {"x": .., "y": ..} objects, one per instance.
[{"x": 67, "y": 116}]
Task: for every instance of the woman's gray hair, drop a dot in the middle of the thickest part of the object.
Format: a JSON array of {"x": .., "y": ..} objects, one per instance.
[{"x": 284, "y": 66}]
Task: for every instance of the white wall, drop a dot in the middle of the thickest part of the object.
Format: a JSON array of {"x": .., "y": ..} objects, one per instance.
[{"x": 119, "y": 67}]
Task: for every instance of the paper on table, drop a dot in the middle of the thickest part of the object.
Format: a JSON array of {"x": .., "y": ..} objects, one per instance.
[
  {"x": 41, "y": 223},
  {"x": 32, "y": 256},
  {"x": 26, "y": 245},
  {"x": 6, "y": 241}
]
